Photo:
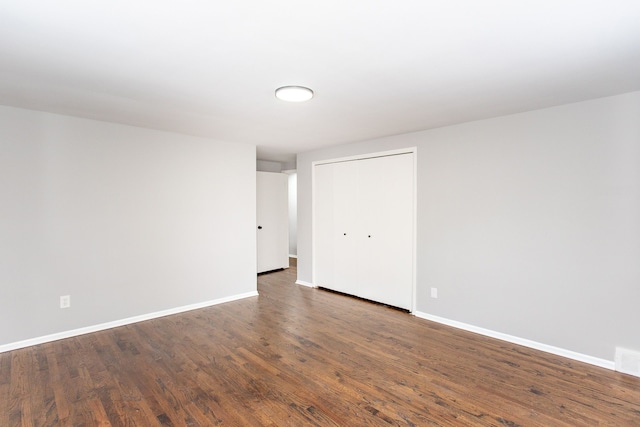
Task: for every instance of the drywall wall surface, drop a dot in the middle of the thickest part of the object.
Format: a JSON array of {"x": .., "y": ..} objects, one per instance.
[
  {"x": 289, "y": 166},
  {"x": 268, "y": 166},
  {"x": 527, "y": 224},
  {"x": 125, "y": 220}
]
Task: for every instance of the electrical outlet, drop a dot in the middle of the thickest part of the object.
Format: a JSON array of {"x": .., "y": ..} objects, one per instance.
[
  {"x": 65, "y": 301},
  {"x": 434, "y": 292}
]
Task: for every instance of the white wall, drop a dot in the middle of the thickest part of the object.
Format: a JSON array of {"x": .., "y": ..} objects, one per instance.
[
  {"x": 127, "y": 221},
  {"x": 528, "y": 225},
  {"x": 293, "y": 214},
  {"x": 268, "y": 166}
]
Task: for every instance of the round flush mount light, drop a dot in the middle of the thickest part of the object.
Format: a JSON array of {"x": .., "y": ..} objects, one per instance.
[{"x": 294, "y": 93}]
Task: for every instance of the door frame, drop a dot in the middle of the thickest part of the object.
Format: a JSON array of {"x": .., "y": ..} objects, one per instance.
[{"x": 363, "y": 156}]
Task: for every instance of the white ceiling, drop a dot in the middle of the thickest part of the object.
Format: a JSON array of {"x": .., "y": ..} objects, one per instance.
[{"x": 377, "y": 67}]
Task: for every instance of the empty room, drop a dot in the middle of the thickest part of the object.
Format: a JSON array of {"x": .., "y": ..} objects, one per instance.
[{"x": 363, "y": 213}]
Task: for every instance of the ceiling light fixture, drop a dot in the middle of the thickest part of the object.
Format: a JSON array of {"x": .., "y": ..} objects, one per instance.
[{"x": 294, "y": 93}]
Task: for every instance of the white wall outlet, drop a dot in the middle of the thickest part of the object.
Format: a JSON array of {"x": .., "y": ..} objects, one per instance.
[
  {"x": 65, "y": 301},
  {"x": 434, "y": 292}
]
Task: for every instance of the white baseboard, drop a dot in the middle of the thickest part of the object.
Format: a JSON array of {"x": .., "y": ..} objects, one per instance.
[
  {"x": 122, "y": 322},
  {"x": 293, "y": 256},
  {"x": 307, "y": 284},
  {"x": 603, "y": 363}
]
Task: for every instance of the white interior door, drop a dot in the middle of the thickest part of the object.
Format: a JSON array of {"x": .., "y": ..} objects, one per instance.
[{"x": 272, "y": 221}]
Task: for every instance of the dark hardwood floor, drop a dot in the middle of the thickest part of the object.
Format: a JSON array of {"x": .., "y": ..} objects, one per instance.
[{"x": 296, "y": 356}]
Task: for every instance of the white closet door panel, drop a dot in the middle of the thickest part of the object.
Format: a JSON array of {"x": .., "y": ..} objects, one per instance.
[
  {"x": 346, "y": 227},
  {"x": 363, "y": 219},
  {"x": 272, "y": 216},
  {"x": 324, "y": 225},
  {"x": 385, "y": 200}
]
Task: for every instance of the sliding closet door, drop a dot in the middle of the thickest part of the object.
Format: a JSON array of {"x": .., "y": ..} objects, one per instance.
[
  {"x": 363, "y": 228},
  {"x": 346, "y": 233},
  {"x": 335, "y": 211},
  {"x": 323, "y": 225},
  {"x": 385, "y": 257}
]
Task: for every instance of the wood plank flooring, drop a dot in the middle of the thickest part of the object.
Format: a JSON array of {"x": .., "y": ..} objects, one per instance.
[{"x": 296, "y": 356}]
